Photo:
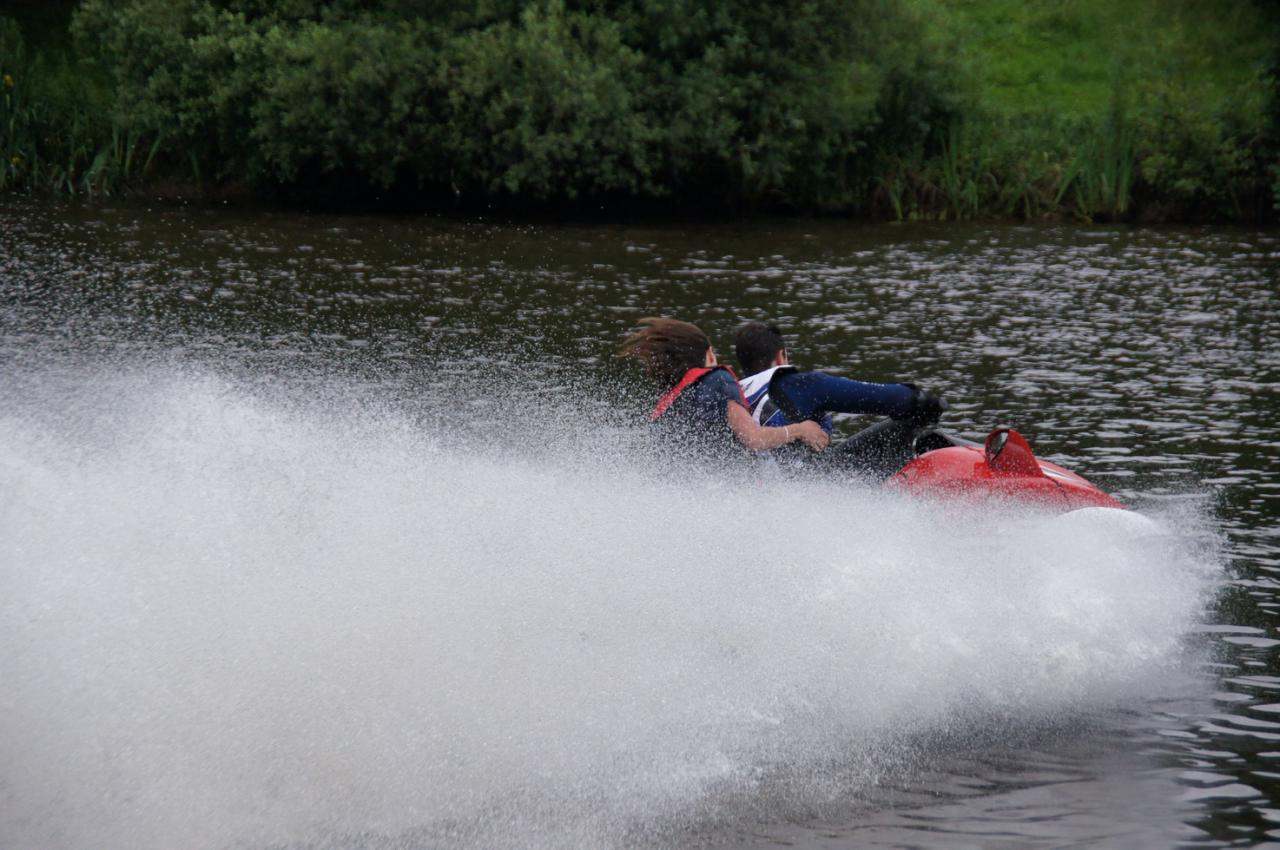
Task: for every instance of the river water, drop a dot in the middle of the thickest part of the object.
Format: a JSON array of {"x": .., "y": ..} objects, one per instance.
[{"x": 326, "y": 531}]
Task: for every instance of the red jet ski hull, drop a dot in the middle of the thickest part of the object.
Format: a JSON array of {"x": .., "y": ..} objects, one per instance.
[{"x": 1005, "y": 468}]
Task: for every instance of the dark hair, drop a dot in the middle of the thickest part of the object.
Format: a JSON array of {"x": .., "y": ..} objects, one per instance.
[
  {"x": 756, "y": 344},
  {"x": 667, "y": 348}
]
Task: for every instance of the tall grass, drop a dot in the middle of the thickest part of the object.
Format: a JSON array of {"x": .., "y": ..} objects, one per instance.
[
  {"x": 962, "y": 172},
  {"x": 989, "y": 166},
  {"x": 58, "y": 132},
  {"x": 1099, "y": 180}
]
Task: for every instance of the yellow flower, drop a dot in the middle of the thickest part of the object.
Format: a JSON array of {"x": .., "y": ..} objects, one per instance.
[
  {"x": 17, "y": 160},
  {"x": 8, "y": 81}
]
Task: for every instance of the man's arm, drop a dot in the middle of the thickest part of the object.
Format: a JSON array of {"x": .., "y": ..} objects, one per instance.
[{"x": 814, "y": 393}]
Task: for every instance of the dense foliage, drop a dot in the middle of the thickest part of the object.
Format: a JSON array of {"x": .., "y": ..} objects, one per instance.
[
  {"x": 888, "y": 107},
  {"x": 730, "y": 101},
  {"x": 55, "y": 126}
]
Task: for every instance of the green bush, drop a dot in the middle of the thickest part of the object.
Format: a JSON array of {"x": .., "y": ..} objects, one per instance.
[
  {"x": 339, "y": 99},
  {"x": 1195, "y": 150},
  {"x": 544, "y": 106},
  {"x": 543, "y": 100}
]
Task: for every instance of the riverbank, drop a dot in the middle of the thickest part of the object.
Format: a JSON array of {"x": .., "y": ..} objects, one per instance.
[{"x": 932, "y": 109}]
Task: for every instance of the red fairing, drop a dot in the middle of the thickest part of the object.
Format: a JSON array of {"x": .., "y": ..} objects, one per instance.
[{"x": 1004, "y": 468}]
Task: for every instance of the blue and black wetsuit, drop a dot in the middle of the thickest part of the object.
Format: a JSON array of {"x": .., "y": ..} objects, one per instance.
[{"x": 784, "y": 396}]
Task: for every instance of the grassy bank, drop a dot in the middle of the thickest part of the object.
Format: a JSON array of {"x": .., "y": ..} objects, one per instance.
[
  {"x": 1151, "y": 109},
  {"x": 1162, "y": 108}
]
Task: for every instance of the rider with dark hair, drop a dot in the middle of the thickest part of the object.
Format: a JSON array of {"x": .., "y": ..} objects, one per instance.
[
  {"x": 702, "y": 404},
  {"x": 780, "y": 395}
]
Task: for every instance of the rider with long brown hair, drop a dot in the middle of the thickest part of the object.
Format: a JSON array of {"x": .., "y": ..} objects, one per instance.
[{"x": 702, "y": 403}]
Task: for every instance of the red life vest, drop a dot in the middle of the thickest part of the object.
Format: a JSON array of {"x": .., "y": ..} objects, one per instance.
[{"x": 690, "y": 378}]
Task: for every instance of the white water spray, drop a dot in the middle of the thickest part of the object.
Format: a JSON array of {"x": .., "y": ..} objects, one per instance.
[{"x": 227, "y": 622}]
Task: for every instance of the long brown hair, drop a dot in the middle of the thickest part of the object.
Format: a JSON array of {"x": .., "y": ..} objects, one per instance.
[{"x": 667, "y": 348}]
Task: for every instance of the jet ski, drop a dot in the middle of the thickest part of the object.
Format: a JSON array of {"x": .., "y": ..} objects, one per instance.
[{"x": 1001, "y": 467}]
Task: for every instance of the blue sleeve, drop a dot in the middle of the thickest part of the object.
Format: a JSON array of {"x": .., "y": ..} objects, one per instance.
[{"x": 816, "y": 394}]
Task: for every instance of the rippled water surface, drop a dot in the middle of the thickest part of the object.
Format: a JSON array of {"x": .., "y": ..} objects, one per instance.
[{"x": 322, "y": 531}]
